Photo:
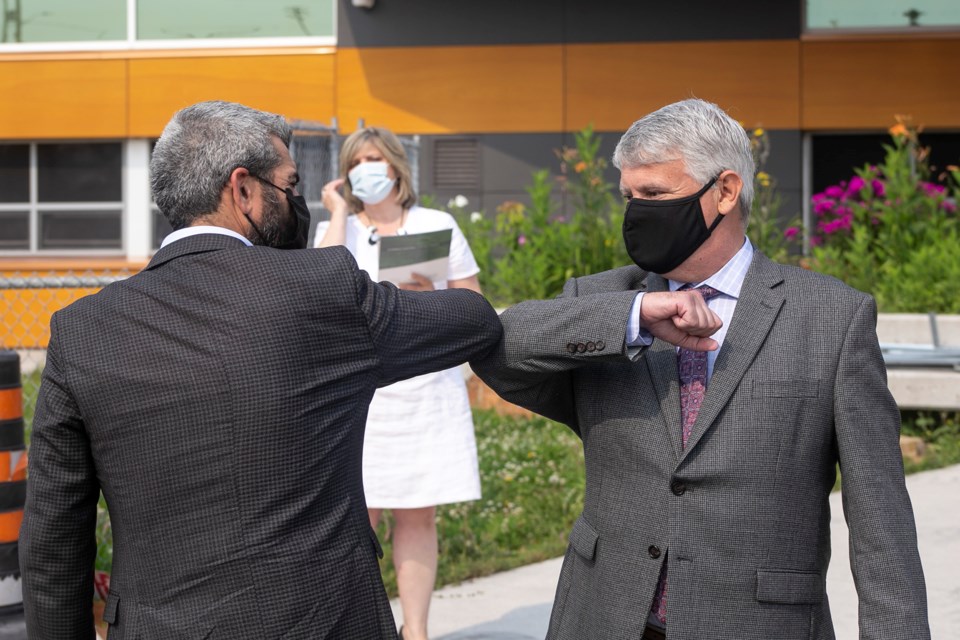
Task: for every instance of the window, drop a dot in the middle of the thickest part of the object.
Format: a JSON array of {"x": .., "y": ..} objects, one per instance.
[
  {"x": 40, "y": 24},
  {"x": 883, "y": 14},
  {"x": 61, "y": 197}
]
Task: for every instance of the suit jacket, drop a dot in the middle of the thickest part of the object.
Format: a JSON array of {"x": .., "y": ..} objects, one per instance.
[
  {"x": 218, "y": 398},
  {"x": 741, "y": 515}
]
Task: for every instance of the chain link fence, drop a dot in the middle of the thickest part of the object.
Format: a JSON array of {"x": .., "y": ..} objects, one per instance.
[{"x": 29, "y": 299}]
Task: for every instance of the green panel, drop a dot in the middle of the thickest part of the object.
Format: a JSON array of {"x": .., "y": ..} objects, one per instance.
[
  {"x": 188, "y": 19},
  {"x": 859, "y": 14},
  {"x": 62, "y": 20}
]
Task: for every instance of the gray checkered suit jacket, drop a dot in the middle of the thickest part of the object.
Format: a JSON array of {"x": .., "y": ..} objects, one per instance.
[
  {"x": 219, "y": 399},
  {"x": 741, "y": 515}
]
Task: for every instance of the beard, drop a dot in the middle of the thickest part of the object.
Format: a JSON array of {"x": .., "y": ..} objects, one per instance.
[{"x": 274, "y": 228}]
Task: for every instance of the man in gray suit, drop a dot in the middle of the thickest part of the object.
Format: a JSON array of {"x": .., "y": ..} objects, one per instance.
[
  {"x": 709, "y": 467},
  {"x": 218, "y": 399}
]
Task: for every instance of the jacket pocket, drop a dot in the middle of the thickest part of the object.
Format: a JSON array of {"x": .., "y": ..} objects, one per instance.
[
  {"x": 790, "y": 587},
  {"x": 804, "y": 388},
  {"x": 584, "y": 538}
]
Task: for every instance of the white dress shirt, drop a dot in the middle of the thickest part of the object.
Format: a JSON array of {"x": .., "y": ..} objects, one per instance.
[{"x": 202, "y": 228}]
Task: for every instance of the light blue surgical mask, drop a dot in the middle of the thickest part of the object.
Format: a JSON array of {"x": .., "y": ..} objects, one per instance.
[{"x": 369, "y": 182}]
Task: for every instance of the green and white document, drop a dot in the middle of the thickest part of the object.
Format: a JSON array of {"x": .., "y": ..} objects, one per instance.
[{"x": 427, "y": 254}]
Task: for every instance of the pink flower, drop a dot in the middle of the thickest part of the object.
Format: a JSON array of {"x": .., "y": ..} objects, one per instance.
[
  {"x": 790, "y": 232},
  {"x": 522, "y": 240},
  {"x": 834, "y": 192},
  {"x": 878, "y": 188},
  {"x": 815, "y": 241},
  {"x": 817, "y": 197},
  {"x": 843, "y": 212},
  {"x": 933, "y": 190},
  {"x": 824, "y": 206},
  {"x": 949, "y": 206},
  {"x": 856, "y": 185}
]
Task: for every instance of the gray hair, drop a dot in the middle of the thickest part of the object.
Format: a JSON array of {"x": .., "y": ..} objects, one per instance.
[
  {"x": 700, "y": 134},
  {"x": 199, "y": 149}
]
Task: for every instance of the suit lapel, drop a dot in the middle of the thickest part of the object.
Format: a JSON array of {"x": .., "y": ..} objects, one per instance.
[
  {"x": 661, "y": 359},
  {"x": 757, "y": 308}
]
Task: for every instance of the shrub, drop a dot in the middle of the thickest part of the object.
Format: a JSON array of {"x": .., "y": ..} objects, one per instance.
[{"x": 892, "y": 231}]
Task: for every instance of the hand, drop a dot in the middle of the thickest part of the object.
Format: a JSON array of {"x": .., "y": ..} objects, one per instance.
[
  {"x": 333, "y": 201},
  {"x": 419, "y": 283},
  {"x": 682, "y": 318}
]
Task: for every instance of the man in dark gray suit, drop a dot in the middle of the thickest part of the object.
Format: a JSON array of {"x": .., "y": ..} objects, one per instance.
[
  {"x": 218, "y": 399},
  {"x": 706, "y": 513}
]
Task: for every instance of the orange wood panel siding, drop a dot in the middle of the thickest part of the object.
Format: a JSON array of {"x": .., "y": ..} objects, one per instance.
[
  {"x": 43, "y": 99},
  {"x": 296, "y": 86},
  {"x": 863, "y": 84},
  {"x": 612, "y": 85},
  {"x": 437, "y": 90}
]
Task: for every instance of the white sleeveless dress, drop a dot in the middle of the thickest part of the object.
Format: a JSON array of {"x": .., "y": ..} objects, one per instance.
[{"x": 419, "y": 448}]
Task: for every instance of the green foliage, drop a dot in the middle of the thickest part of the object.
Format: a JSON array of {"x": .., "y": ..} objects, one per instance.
[
  {"x": 532, "y": 478},
  {"x": 893, "y": 233},
  {"x": 941, "y": 431},
  {"x": 529, "y": 251}
]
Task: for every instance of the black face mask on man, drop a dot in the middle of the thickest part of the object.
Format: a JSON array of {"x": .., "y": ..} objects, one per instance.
[
  {"x": 292, "y": 234},
  {"x": 661, "y": 234}
]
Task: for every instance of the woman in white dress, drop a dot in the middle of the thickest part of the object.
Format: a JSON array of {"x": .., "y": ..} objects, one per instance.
[{"x": 419, "y": 449}]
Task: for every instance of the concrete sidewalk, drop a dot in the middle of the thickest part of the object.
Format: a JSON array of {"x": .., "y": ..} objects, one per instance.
[{"x": 515, "y": 605}]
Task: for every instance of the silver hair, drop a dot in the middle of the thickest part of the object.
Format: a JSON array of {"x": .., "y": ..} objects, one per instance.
[
  {"x": 199, "y": 149},
  {"x": 700, "y": 134}
]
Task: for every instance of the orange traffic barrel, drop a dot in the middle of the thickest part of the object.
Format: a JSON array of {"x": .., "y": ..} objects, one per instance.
[{"x": 13, "y": 481}]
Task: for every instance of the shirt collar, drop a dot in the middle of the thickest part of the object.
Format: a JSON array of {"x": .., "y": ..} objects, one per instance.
[
  {"x": 186, "y": 232},
  {"x": 729, "y": 279}
]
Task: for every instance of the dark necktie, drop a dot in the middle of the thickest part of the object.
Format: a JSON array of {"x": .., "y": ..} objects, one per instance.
[{"x": 692, "y": 367}]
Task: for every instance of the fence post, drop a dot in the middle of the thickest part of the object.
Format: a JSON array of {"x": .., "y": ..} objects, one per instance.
[{"x": 13, "y": 490}]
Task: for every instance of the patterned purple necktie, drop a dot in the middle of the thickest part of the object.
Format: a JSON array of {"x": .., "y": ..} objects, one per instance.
[{"x": 692, "y": 366}]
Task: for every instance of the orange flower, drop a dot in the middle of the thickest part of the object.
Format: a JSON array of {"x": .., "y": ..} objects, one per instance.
[
  {"x": 580, "y": 167},
  {"x": 899, "y": 130}
]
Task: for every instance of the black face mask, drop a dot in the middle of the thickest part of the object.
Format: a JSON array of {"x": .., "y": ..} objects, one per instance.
[
  {"x": 293, "y": 234},
  {"x": 661, "y": 234}
]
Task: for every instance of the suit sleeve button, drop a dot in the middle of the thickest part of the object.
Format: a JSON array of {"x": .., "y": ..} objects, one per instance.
[
  {"x": 581, "y": 348},
  {"x": 601, "y": 345},
  {"x": 591, "y": 346},
  {"x": 654, "y": 551},
  {"x": 678, "y": 488},
  {"x": 572, "y": 348}
]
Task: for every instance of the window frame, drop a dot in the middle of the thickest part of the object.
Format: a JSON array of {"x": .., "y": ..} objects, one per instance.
[
  {"x": 133, "y": 43},
  {"x": 828, "y": 33},
  {"x": 35, "y": 208}
]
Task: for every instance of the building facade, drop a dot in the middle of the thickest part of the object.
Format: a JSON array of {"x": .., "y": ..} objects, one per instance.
[{"x": 492, "y": 88}]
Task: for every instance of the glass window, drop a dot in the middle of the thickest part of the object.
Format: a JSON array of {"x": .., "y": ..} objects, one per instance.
[
  {"x": 80, "y": 230},
  {"x": 859, "y": 14},
  {"x": 79, "y": 172},
  {"x": 63, "y": 20},
  {"x": 76, "y": 203},
  {"x": 189, "y": 19},
  {"x": 14, "y": 173},
  {"x": 14, "y": 230}
]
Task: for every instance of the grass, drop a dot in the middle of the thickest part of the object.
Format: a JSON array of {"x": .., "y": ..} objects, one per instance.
[{"x": 532, "y": 480}]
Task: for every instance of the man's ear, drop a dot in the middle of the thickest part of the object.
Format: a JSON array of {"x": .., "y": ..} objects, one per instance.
[
  {"x": 241, "y": 186},
  {"x": 730, "y": 185}
]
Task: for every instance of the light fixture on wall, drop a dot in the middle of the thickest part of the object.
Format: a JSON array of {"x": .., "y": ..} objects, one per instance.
[{"x": 366, "y": 4}]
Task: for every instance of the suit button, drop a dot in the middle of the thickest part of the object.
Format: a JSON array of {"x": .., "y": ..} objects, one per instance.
[
  {"x": 678, "y": 488},
  {"x": 654, "y": 551},
  {"x": 571, "y": 347},
  {"x": 581, "y": 348},
  {"x": 591, "y": 347},
  {"x": 601, "y": 345}
]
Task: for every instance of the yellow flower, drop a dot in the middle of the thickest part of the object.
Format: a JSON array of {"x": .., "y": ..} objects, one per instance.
[
  {"x": 757, "y": 132},
  {"x": 763, "y": 178}
]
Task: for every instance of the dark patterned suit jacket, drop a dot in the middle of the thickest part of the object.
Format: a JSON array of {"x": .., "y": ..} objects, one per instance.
[
  {"x": 218, "y": 398},
  {"x": 741, "y": 515}
]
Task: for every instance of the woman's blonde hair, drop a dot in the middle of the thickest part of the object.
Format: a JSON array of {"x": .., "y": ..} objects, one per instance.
[{"x": 391, "y": 148}]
